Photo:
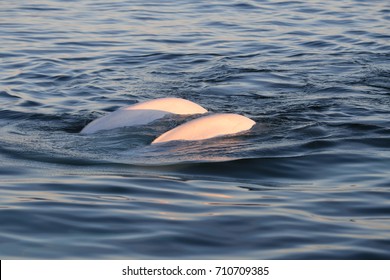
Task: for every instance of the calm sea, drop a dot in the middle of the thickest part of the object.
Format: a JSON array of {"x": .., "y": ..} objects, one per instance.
[{"x": 310, "y": 181}]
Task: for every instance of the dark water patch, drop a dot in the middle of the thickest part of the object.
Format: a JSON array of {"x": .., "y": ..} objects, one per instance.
[
  {"x": 6, "y": 95},
  {"x": 318, "y": 44},
  {"x": 41, "y": 7},
  {"x": 89, "y": 44}
]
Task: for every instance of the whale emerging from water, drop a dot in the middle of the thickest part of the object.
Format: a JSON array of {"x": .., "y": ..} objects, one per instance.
[
  {"x": 143, "y": 113},
  {"x": 207, "y": 127},
  {"x": 198, "y": 129}
]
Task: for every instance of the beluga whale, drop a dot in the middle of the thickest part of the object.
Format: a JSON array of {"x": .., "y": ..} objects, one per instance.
[
  {"x": 143, "y": 113},
  {"x": 206, "y": 127}
]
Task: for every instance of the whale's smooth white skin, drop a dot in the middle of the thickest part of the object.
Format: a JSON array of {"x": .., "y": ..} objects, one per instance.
[
  {"x": 143, "y": 113},
  {"x": 172, "y": 105},
  {"x": 207, "y": 127}
]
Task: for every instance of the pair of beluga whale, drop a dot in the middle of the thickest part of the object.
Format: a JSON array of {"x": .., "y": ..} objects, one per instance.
[{"x": 206, "y": 127}]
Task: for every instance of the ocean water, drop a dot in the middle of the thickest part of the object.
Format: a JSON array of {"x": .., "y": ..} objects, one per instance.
[{"x": 310, "y": 181}]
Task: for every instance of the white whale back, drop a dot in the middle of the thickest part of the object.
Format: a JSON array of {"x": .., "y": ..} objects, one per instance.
[
  {"x": 207, "y": 127},
  {"x": 143, "y": 113},
  {"x": 172, "y": 105}
]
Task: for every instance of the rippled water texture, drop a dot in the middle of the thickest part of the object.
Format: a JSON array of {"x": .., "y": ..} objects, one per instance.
[{"x": 310, "y": 181}]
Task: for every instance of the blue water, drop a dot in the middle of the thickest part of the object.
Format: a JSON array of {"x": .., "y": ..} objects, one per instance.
[{"x": 310, "y": 181}]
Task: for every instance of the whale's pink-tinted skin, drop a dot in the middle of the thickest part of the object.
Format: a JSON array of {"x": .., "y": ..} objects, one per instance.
[
  {"x": 207, "y": 127},
  {"x": 143, "y": 113},
  {"x": 172, "y": 105}
]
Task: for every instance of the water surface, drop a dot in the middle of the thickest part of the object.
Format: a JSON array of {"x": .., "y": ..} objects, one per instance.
[{"x": 310, "y": 181}]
